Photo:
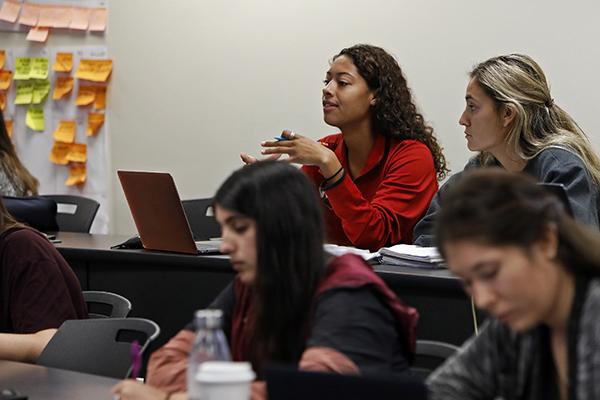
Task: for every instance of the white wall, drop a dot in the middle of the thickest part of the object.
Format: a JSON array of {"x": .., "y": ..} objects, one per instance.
[{"x": 197, "y": 81}]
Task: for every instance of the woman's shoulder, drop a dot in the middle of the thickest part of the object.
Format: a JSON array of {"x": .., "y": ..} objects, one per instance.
[
  {"x": 24, "y": 241},
  {"x": 557, "y": 155}
]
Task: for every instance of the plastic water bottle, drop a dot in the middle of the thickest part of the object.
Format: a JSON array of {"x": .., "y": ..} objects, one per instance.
[{"x": 210, "y": 345}]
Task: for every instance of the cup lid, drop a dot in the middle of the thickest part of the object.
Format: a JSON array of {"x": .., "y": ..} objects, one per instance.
[{"x": 225, "y": 371}]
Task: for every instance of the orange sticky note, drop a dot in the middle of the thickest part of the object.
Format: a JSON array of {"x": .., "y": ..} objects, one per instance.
[
  {"x": 2, "y": 58},
  {"x": 29, "y": 14},
  {"x": 95, "y": 121},
  {"x": 80, "y": 18},
  {"x": 98, "y": 20},
  {"x": 38, "y": 34},
  {"x": 65, "y": 131},
  {"x": 62, "y": 87},
  {"x": 94, "y": 70},
  {"x": 77, "y": 175},
  {"x": 5, "y": 79},
  {"x": 85, "y": 95},
  {"x": 100, "y": 102},
  {"x": 9, "y": 127},
  {"x": 2, "y": 100},
  {"x": 59, "y": 153},
  {"x": 77, "y": 153},
  {"x": 9, "y": 11},
  {"x": 63, "y": 62},
  {"x": 54, "y": 16}
]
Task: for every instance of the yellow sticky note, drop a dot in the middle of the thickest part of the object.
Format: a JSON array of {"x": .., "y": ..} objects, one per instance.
[
  {"x": 77, "y": 153},
  {"x": 22, "y": 68},
  {"x": 41, "y": 88},
  {"x": 95, "y": 121},
  {"x": 39, "y": 68},
  {"x": 38, "y": 34},
  {"x": 65, "y": 131},
  {"x": 5, "y": 79},
  {"x": 94, "y": 70},
  {"x": 9, "y": 127},
  {"x": 9, "y": 11},
  {"x": 59, "y": 153},
  {"x": 3, "y": 102},
  {"x": 63, "y": 62},
  {"x": 62, "y": 87},
  {"x": 35, "y": 118},
  {"x": 85, "y": 95},
  {"x": 29, "y": 14},
  {"x": 80, "y": 18},
  {"x": 2, "y": 58},
  {"x": 98, "y": 20},
  {"x": 24, "y": 93},
  {"x": 100, "y": 102},
  {"x": 77, "y": 175}
]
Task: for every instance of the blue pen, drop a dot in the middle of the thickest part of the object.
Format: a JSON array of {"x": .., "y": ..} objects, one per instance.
[{"x": 280, "y": 138}]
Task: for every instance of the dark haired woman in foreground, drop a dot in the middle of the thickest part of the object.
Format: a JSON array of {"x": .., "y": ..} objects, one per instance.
[
  {"x": 537, "y": 273},
  {"x": 288, "y": 302},
  {"x": 378, "y": 175}
]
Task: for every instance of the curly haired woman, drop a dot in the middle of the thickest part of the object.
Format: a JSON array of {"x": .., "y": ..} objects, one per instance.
[{"x": 378, "y": 175}]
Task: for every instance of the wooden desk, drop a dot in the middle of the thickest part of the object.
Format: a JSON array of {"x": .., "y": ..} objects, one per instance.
[
  {"x": 39, "y": 382},
  {"x": 167, "y": 287}
]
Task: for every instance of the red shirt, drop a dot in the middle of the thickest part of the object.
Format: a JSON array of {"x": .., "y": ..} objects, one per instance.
[{"x": 380, "y": 206}]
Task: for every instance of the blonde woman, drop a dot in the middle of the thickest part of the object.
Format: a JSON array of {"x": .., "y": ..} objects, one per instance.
[
  {"x": 15, "y": 179},
  {"x": 513, "y": 122}
]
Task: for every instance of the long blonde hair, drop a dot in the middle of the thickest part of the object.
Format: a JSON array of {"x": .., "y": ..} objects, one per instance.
[
  {"x": 19, "y": 176},
  {"x": 518, "y": 82}
]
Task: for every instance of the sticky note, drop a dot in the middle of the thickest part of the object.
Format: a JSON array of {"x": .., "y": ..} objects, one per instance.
[
  {"x": 54, "y": 16},
  {"x": 98, "y": 20},
  {"x": 62, "y": 86},
  {"x": 59, "y": 153},
  {"x": 24, "y": 93},
  {"x": 10, "y": 11},
  {"x": 39, "y": 68},
  {"x": 63, "y": 62},
  {"x": 95, "y": 121},
  {"x": 65, "y": 131},
  {"x": 41, "y": 88},
  {"x": 22, "y": 68},
  {"x": 29, "y": 14},
  {"x": 3, "y": 101},
  {"x": 2, "y": 58},
  {"x": 77, "y": 175},
  {"x": 85, "y": 95},
  {"x": 80, "y": 18},
  {"x": 38, "y": 34},
  {"x": 100, "y": 101},
  {"x": 94, "y": 70},
  {"x": 35, "y": 118},
  {"x": 9, "y": 127},
  {"x": 5, "y": 79},
  {"x": 77, "y": 153}
]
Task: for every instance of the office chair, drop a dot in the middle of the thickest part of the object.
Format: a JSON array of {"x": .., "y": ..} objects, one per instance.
[
  {"x": 75, "y": 213},
  {"x": 200, "y": 216},
  {"x": 98, "y": 346},
  {"x": 106, "y": 304},
  {"x": 37, "y": 212},
  {"x": 430, "y": 354}
]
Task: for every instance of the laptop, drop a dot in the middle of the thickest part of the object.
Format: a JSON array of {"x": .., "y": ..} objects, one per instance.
[
  {"x": 158, "y": 214},
  {"x": 285, "y": 383}
]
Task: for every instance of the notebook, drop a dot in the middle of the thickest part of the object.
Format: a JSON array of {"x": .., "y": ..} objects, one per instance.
[{"x": 158, "y": 214}]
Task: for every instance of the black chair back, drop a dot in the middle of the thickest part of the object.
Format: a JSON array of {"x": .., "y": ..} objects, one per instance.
[
  {"x": 430, "y": 354},
  {"x": 106, "y": 304},
  {"x": 75, "y": 213},
  {"x": 98, "y": 346},
  {"x": 200, "y": 216},
  {"x": 37, "y": 212}
]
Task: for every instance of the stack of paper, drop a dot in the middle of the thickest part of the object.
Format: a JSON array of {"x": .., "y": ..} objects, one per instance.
[{"x": 412, "y": 256}]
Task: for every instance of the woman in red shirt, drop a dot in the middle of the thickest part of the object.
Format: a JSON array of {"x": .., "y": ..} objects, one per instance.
[{"x": 377, "y": 176}]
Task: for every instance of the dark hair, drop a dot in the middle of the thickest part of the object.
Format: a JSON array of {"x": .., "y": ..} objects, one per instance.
[
  {"x": 14, "y": 169},
  {"x": 394, "y": 114},
  {"x": 290, "y": 257},
  {"x": 499, "y": 208}
]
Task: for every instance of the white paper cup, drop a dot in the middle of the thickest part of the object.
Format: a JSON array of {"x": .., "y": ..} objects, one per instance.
[{"x": 225, "y": 380}]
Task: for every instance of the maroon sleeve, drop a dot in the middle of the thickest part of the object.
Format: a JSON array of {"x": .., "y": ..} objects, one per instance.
[
  {"x": 402, "y": 197},
  {"x": 41, "y": 289}
]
